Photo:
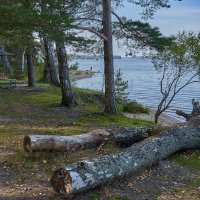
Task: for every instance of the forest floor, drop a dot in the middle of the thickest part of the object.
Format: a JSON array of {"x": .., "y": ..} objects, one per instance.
[{"x": 26, "y": 176}]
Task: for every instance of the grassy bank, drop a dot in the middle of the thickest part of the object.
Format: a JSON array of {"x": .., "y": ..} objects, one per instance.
[{"x": 25, "y": 111}]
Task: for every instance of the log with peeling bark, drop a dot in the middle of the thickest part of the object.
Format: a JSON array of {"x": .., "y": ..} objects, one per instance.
[
  {"x": 195, "y": 111},
  {"x": 88, "y": 174},
  {"x": 123, "y": 136}
]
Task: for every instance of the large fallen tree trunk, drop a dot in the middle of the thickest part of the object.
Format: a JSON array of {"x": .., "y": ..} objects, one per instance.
[
  {"x": 123, "y": 136},
  {"x": 88, "y": 174}
]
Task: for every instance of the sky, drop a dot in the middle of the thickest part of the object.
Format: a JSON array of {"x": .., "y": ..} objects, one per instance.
[{"x": 183, "y": 15}]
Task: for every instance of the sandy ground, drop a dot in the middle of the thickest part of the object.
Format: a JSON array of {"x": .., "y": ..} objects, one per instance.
[
  {"x": 77, "y": 75},
  {"x": 163, "y": 119}
]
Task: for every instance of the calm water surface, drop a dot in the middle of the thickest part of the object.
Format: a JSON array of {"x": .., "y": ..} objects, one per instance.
[{"x": 143, "y": 81}]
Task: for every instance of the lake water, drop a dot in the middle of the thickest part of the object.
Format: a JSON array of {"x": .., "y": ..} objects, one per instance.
[{"x": 143, "y": 81}]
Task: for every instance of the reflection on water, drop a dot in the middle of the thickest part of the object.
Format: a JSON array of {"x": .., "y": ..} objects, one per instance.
[{"x": 143, "y": 83}]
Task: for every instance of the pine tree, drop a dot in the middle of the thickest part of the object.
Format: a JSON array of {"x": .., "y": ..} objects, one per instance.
[{"x": 120, "y": 86}]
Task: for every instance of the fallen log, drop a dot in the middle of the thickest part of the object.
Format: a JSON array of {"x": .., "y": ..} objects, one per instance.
[
  {"x": 195, "y": 111},
  {"x": 123, "y": 136},
  {"x": 88, "y": 174}
]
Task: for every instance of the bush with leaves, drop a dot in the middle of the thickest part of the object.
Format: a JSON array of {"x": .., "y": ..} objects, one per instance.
[
  {"x": 134, "y": 107},
  {"x": 74, "y": 66},
  {"x": 179, "y": 67}
]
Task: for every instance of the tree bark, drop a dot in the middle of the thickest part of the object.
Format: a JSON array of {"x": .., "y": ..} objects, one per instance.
[
  {"x": 6, "y": 62},
  {"x": 19, "y": 52},
  {"x": 46, "y": 74},
  {"x": 85, "y": 175},
  {"x": 50, "y": 60},
  {"x": 30, "y": 69},
  {"x": 195, "y": 111},
  {"x": 65, "y": 83},
  {"x": 123, "y": 136},
  {"x": 183, "y": 114},
  {"x": 110, "y": 105}
]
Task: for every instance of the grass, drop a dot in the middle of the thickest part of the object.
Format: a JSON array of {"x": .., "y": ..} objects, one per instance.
[
  {"x": 38, "y": 112},
  {"x": 190, "y": 159}
]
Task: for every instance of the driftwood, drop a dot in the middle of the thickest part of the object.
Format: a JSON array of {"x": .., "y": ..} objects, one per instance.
[
  {"x": 123, "y": 136},
  {"x": 195, "y": 111},
  {"x": 88, "y": 174}
]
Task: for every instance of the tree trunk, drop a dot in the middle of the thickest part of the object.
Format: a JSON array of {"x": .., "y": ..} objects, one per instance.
[
  {"x": 156, "y": 116},
  {"x": 85, "y": 175},
  {"x": 65, "y": 83},
  {"x": 30, "y": 69},
  {"x": 50, "y": 60},
  {"x": 19, "y": 55},
  {"x": 46, "y": 73},
  {"x": 7, "y": 64},
  {"x": 110, "y": 106},
  {"x": 123, "y": 136}
]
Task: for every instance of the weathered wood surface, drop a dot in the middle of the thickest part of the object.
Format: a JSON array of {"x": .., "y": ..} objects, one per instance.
[
  {"x": 195, "y": 111},
  {"x": 123, "y": 136},
  {"x": 88, "y": 174}
]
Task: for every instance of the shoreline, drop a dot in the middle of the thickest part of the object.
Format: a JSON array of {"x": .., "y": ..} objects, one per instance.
[
  {"x": 163, "y": 119},
  {"x": 81, "y": 74}
]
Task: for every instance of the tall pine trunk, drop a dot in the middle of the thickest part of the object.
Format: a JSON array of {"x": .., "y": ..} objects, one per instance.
[
  {"x": 7, "y": 64},
  {"x": 65, "y": 83},
  {"x": 30, "y": 68},
  {"x": 50, "y": 61},
  {"x": 110, "y": 106},
  {"x": 20, "y": 57},
  {"x": 46, "y": 74}
]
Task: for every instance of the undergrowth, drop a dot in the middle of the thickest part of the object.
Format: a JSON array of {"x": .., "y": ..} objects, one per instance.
[{"x": 134, "y": 107}]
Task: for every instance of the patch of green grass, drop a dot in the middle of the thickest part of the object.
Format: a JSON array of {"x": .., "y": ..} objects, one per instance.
[
  {"x": 44, "y": 99},
  {"x": 194, "y": 184},
  {"x": 109, "y": 120},
  {"x": 134, "y": 107},
  {"x": 157, "y": 130},
  {"x": 189, "y": 160},
  {"x": 33, "y": 112}
]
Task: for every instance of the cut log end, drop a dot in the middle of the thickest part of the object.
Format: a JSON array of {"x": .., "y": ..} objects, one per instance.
[
  {"x": 61, "y": 182},
  {"x": 27, "y": 144}
]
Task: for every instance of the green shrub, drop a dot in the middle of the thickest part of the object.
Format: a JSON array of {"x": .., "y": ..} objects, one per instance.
[
  {"x": 74, "y": 66},
  {"x": 134, "y": 107}
]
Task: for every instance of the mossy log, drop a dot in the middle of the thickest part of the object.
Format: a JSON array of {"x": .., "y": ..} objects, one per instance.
[
  {"x": 88, "y": 174},
  {"x": 123, "y": 136}
]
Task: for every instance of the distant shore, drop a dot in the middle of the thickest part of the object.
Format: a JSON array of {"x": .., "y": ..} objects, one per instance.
[{"x": 81, "y": 74}]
